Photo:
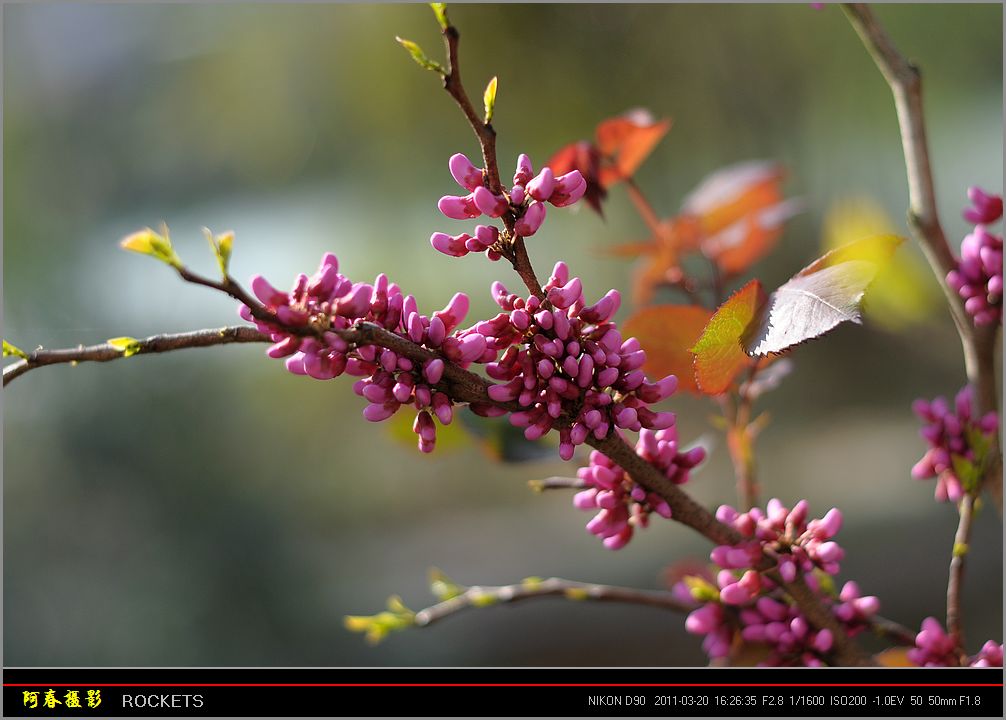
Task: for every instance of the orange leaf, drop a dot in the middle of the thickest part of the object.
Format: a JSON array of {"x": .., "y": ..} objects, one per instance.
[
  {"x": 718, "y": 352},
  {"x": 627, "y": 140},
  {"x": 741, "y": 210},
  {"x": 666, "y": 333}
]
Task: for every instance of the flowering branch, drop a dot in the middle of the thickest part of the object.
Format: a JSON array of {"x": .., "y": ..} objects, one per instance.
[
  {"x": 127, "y": 347},
  {"x": 483, "y": 595},
  {"x": 978, "y": 341}
]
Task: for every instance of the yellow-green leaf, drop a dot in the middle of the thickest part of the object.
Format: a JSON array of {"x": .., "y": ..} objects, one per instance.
[
  {"x": 9, "y": 351},
  {"x": 718, "y": 352},
  {"x": 440, "y": 10},
  {"x": 126, "y": 345},
  {"x": 221, "y": 245},
  {"x": 489, "y": 97},
  {"x": 420, "y": 57},
  {"x": 903, "y": 292},
  {"x": 156, "y": 245}
]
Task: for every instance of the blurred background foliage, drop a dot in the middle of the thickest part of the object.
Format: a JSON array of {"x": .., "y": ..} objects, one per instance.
[{"x": 208, "y": 508}]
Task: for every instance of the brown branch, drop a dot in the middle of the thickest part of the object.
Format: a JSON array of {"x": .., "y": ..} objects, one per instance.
[
  {"x": 483, "y": 131},
  {"x": 979, "y": 343},
  {"x": 955, "y": 583},
  {"x": 480, "y": 596},
  {"x": 515, "y": 251},
  {"x": 893, "y": 631},
  {"x": 153, "y": 344},
  {"x": 557, "y": 483}
]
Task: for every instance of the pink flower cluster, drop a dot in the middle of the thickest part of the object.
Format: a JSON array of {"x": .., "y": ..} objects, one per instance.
[
  {"x": 950, "y": 433},
  {"x": 747, "y": 602},
  {"x": 623, "y": 505},
  {"x": 564, "y": 357},
  {"x": 800, "y": 546},
  {"x": 524, "y": 202},
  {"x": 935, "y": 648},
  {"x": 978, "y": 276},
  {"x": 331, "y": 302}
]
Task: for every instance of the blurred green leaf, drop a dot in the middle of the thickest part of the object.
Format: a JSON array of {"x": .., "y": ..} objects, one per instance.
[{"x": 442, "y": 587}]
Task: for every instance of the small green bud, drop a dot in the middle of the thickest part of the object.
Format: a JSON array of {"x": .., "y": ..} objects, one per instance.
[
  {"x": 126, "y": 345},
  {"x": 156, "y": 245},
  {"x": 420, "y": 57},
  {"x": 440, "y": 10},
  {"x": 489, "y": 97}
]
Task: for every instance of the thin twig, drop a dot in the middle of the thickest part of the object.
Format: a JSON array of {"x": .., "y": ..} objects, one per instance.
[
  {"x": 955, "y": 583},
  {"x": 979, "y": 343},
  {"x": 480, "y": 596},
  {"x": 643, "y": 205},
  {"x": 153, "y": 344},
  {"x": 557, "y": 483}
]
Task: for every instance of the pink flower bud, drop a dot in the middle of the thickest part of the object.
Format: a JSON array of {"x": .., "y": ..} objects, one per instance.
[
  {"x": 735, "y": 594},
  {"x": 433, "y": 370},
  {"x": 603, "y": 309},
  {"x": 454, "y": 313},
  {"x": 458, "y": 208},
  {"x": 528, "y": 224},
  {"x": 356, "y": 303},
  {"x": 607, "y": 377},
  {"x": 492, "y": 205},
  {"x": 266, "y": 293},
  {"x": 464, "y": 172},
  {"x": 486, "y": 235},
  {"x": 377, "y": 413},
  {"x": 524, "y": 170},
  {"x": 704, "y": 620},
  {"x": 563, "y": 297},
  {"x": 986, "y": 207},
  {"x": 540, "y": 188},
  {"x": 287, "y": 346},
  {"x": 454, "y": 246},
  {"x": 568, "y": 189}
]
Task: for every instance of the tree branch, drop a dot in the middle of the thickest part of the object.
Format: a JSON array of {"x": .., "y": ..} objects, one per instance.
[
  {"x": 153, "y": 344},
  {"x": 979, "y": 343},
  {"x": 480, "y": 596},
  {"x": 955, "y": 583}
]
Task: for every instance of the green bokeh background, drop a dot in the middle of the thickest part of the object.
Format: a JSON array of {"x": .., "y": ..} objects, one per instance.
[{"x": 208, "y": 508}]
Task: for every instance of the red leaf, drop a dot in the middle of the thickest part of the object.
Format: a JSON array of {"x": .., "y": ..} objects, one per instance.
[
  {"x": 719, "y": 356},
  {"x": 667, "y": 333},
  {"x": 626, "y": 141}
]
